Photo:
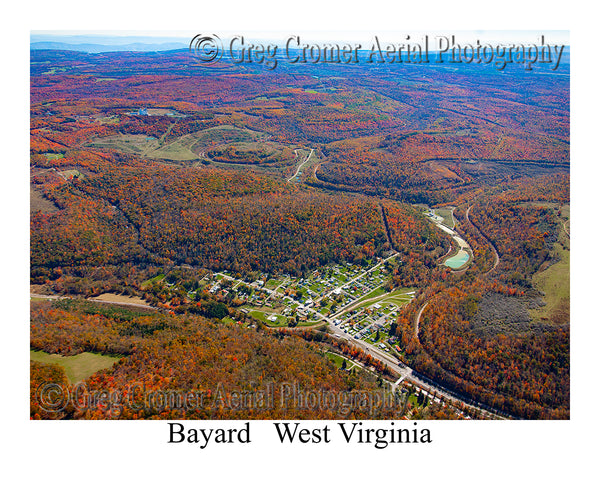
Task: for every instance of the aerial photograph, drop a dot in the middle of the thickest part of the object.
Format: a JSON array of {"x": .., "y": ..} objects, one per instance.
[{"x": 265, "y": 226}]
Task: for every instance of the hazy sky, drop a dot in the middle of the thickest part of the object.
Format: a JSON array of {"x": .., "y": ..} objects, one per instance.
[{"x": 363, "y": 37}]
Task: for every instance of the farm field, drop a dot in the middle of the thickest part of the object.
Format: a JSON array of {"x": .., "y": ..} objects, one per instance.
[
  {"x": 121, "y": 299},
  {"x": 77, "y": 367}
]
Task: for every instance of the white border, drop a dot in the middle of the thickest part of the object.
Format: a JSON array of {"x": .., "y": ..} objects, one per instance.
[{"x": 460, "y": 449}]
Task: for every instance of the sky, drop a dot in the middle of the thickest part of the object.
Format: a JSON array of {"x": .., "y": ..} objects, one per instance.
[{"x": 364, "y": 37}]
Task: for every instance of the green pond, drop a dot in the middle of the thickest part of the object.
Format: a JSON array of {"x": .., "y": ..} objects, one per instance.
[{"x": 457, "y": 260}]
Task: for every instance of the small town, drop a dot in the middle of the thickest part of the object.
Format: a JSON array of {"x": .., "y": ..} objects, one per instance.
[{"x": 354, "y": 298}]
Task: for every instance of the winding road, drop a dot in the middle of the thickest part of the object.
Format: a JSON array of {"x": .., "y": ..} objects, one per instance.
[
  {"x": 301, "y": 165},
  {"x": 497, "y": 257},
  {"x": 418, "y": 319}
]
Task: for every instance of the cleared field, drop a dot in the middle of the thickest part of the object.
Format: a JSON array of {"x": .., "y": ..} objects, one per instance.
[
  {"x": 264, "y": 317},
  {"x": 555, "y": 283},
  {"x": 185, "y": 148},
  {"x": 338, "y": 360},
  {"x": 37, "y": 299},
  {"x": 71, "y": 174},
  {"x": 178, "y": 150},
  {"x": 223, "y": 134},
  {"x": 54, "y": 156},
  {"x": 335, "y": 358},
  {"x": 39, "y": 203},
  {"x": 397, "y": 297},
  {"x": 446, "y": 214},
  {"x": 77, "y": 367},
  {"x": 375, "y": 293},
  {"x": 397, "y": 300},
  {"x": 565, "y": 212},
  {"x": 161, "y": 111},
  {"x": 274, "y": 283},
  {"x": 138, "y": 144},
  {"x": 224, "y": 144},
  {"x": 252, "y": 153},
  {"x": 153, "y": 280},
  {"x": 111, "y": 297},
  {"x": 310, "y": 324}
]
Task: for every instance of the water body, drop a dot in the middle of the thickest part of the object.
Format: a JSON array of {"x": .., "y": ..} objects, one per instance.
[
  {"x": 462, "y": 257},
  {"x": 457, "y": 260}
]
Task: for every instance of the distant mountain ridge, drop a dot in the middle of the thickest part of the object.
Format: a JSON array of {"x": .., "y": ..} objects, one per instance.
[{"x": 99, "y": 48}]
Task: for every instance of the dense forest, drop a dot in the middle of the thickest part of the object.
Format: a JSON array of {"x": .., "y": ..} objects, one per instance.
[
  {"x": 474, "y": 332},
  {"x": 162, "y": 353}
]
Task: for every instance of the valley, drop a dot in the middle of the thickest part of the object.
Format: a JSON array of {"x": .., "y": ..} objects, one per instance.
[{"x": 361, "y": 226}]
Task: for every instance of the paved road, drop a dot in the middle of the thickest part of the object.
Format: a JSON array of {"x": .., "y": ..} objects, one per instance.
[
  {"x": 352, "y": 280},
  {"x": 395, "y": 366},
  {"x": 359, "y": 301},
  {"x": 406, "y": 373},
  {"x": 444, "y": 393}
]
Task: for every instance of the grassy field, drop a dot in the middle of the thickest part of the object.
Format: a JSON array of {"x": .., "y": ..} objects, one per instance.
[
  {"x": 273, "y": 283},
  {"x": 338, "y": 360},
  {"x": 35, "y": 299},
  {"x": 126, "y": 143},
  {"x": 253, "y": 153},
  {"x": 446, "y": 214},
  {"x": 54, "y": 156},
  {"x": 395, "y": 297},
  {"x": 310, "y": 323},
  {"x": 77, "y": 367},
  {"x": 227, "y": 320},
  {"x": 554, "y": 281},
  {"x": 263, "y": 317},
  {"x": 375, "y": 293},
  {"x": 178, "y": 150},
  {"x": 153, "y": 280},
  {"x": 187, "y": 147}
]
